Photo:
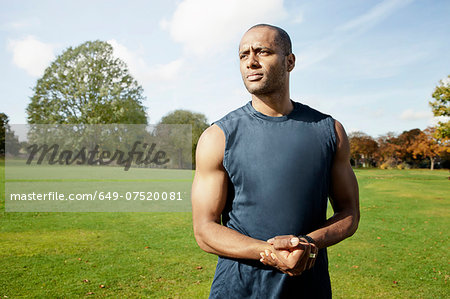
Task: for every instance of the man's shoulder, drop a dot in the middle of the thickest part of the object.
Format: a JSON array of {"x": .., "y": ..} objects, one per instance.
[
  {"x": 233, "y": 115},
  {"x": 310, "y": 114}
]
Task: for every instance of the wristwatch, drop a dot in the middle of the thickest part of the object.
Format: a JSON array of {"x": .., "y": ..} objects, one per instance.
[{"x": 307, "y": 238}]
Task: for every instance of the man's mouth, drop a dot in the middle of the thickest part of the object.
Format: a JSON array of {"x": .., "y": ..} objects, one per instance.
[{"x": 254, "y": 77}]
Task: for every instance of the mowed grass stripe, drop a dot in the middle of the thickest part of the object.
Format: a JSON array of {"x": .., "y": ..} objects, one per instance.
[
  {"x": 97, "y": 180},
  {"x": 400, "y": 249}
]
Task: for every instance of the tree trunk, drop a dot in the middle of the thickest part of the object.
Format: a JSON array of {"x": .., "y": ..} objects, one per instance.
[{"x": 432, "y": 163}]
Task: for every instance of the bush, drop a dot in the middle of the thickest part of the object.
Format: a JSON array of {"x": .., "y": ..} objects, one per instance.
[
  {"x": 403, "y": 165},
  {"x": 390, "y": 163},
  {"x": 385, "y": 165}
]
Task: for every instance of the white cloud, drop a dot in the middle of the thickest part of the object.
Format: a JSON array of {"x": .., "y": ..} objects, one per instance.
[
  {"x": 164, "y": 24},
  {"x": 140, "y": 69},
  {"x": 31, "y": 54},
  {"x": 410, "y": 114},
  {"x": 169, "y": 70},
  {"x": 205, "y": 25}
]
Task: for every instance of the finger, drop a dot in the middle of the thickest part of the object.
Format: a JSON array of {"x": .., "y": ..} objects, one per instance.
[
  {"x": 295, "y": 272},
  {"x": 266, "y": 260},
  {"x": 279, "y": 264},
  {"x": 310, "y": 261},
  {"x": 283, "y": 254},
  {"x": 286, "y": 272},
  {"x": 262, "y": 260},
  {"x": 301, "y": 266},
  {"x": 315, "y": 250},
  {"x": 267, "y": 257},
  {"x": 312, "y": 256},
  {"x": 294, "y": 258},
  {"x": 277, "y": 261}
]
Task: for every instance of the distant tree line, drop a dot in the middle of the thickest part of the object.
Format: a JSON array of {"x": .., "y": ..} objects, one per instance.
[
  {"x": 411, "y": 149},
  {"x": 88, "y": 85}
]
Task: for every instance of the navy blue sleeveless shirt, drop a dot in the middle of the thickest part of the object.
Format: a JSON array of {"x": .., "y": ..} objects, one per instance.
[{"x": 279, "y": 178}]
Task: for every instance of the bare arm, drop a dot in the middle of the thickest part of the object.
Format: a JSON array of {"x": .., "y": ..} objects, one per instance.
[
  {"x": 209, "y": 191},
  {"x": 344, "y": 197}
]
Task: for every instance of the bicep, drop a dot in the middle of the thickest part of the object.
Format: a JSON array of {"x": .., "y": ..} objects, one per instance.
[
  {"x": 344, "y": 186},
  {"x": 210, "y": 181}
]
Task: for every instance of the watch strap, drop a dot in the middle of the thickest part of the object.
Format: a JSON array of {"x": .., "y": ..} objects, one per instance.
[{"x": 307, "y": 238}]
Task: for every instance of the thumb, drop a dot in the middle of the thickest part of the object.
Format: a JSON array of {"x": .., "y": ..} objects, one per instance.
[
  {"x": 294, "y": 241},
  {"x": 286, "y": 243}
]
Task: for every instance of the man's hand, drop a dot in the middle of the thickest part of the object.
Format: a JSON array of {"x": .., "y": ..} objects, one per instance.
[{"x": 290, "y": 255}]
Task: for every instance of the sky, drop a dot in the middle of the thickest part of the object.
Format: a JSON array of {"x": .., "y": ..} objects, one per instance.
[{"x": 372, "y": 65}]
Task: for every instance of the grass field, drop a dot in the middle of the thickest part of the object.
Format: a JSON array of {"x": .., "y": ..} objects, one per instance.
[{"x": 399, "y": 251}]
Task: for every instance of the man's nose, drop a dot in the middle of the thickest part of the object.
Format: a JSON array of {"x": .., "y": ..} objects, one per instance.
[{"x": 252, "y": 61}]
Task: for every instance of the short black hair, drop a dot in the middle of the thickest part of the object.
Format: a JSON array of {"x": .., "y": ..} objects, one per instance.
[{"x": 282, "y": 37}]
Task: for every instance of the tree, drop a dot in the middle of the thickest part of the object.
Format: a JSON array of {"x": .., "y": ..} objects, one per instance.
[
  {"x": 87, "y": 85},
  {"x": 427, "y": 146},
  {"x": 441, "y": 107},
  {"x": 362, "y": 148},
  {"x": 388, "y": 154},
  {"x": 7, "y": 137},
  {"x": 3, "y": 127},
  {"x": 405, "y": 142},
  {"x": 197, "y": 120}
]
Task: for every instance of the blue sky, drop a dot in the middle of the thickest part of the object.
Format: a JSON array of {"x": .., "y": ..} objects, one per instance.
[{"x": 370, "y": 64}]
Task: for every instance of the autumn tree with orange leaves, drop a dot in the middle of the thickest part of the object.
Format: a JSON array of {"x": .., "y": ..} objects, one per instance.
[
  {"x": 426, "y": 145},
  {"x": 362, "y": 148}
]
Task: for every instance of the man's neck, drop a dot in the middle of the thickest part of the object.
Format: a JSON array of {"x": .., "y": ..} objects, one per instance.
[{"x": 272, "y": 105}]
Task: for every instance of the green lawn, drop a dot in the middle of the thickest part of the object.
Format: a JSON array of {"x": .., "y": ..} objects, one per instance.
[
  {"x": 400, "y": 250},
  {"x": 401, "y": 247}
]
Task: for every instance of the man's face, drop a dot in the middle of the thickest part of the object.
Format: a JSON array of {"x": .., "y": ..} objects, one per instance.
[{"x": 263, "y": 63}]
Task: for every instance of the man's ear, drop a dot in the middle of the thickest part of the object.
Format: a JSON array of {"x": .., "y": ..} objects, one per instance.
[{"x": 290, "y": 60}]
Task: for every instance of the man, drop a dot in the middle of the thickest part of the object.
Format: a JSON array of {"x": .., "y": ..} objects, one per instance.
[{"x": 263, "y": 177}]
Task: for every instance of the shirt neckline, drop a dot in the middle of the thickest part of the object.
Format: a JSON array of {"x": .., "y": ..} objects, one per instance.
[{"x": 258, "y": 114}]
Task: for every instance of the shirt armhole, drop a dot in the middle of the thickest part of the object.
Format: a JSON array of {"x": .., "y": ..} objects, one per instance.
[
  {"x": 332, "y": 127},
  {"x": 225, "y": 153}
]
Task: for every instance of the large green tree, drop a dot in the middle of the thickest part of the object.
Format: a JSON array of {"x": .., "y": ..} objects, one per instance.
[
  {"x": 441, "y": 107},
  {"x": 87, "y": 85},
  {"x": 3, "y": 127},
  {"x": 197, "y": 120},
  {"x": 7, "y": 136}
]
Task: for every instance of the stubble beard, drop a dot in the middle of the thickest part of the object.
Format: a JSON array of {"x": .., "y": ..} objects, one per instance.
[{"x": 268, "y": 85}]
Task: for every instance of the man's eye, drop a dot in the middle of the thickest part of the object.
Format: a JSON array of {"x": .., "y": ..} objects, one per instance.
[{"x": 242, "y": 56}]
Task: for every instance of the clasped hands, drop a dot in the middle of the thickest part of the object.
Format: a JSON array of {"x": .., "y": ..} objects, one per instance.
[{"x": 289, "y": 254}]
